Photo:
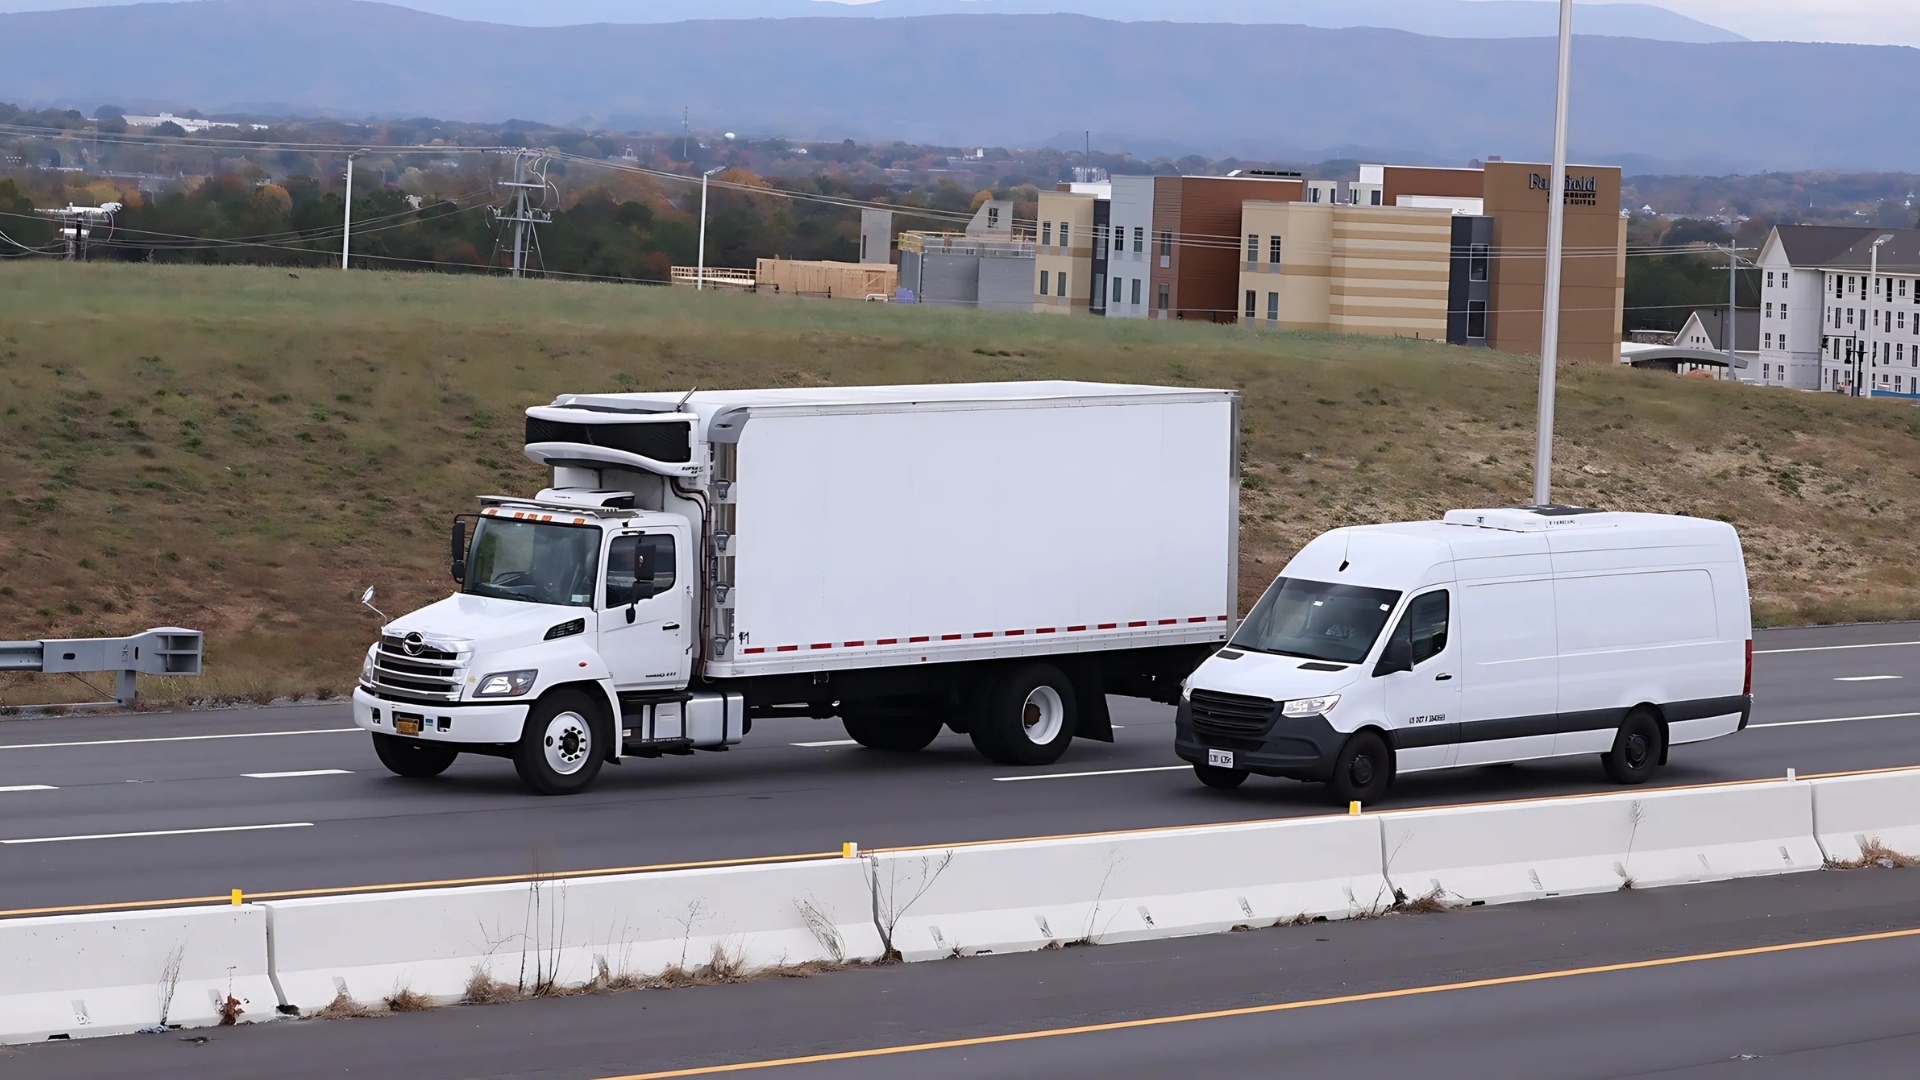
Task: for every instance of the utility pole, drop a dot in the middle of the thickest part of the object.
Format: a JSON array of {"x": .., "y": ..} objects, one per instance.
[
  {"x": 1556, "y": 245},
  {"x": 523, "y": 216},
  {"x": 1870, "y": 294},
  {"x": 700, "y": 259},
  {"x": 346, "y": 222},
  {"x": 1733, "y": 307},
  {"x": 686, "y": 131}
]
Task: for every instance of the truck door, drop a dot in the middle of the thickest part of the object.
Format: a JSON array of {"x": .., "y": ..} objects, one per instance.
[
  {"x": 646, "y": 620},
  {"x": 1423, "y": 704}
]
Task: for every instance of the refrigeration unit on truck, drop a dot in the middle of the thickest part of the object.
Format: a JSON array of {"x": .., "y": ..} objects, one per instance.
[
  {"x": 1486, "y": 638},
  {"x": 992, "y": 558}
]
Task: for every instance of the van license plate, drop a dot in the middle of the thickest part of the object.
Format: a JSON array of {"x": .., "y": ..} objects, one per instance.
[
  {"x": 410, "y": 725},
  {"x": 1220, "y": 759}
]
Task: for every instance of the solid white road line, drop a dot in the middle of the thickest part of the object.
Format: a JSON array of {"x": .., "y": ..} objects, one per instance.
[
  {"x": 1836, "y": 720},
  {"x": 1103, "y": 772},
  {"x": 826, "y": 742},
  {"x": 1863, "y": 678},
  {"x": 301, "y": 772},
  {"x": 178, "y": 738},
  {"x": 158, "y": 832},
  {"x": 1836, "y": 648},
  {"x": 29, "y": 787}
]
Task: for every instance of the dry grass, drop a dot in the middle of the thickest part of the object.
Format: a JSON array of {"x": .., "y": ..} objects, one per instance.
[
  {"x": 238, "y": 451},
  {"x": 343, "y": 1007},
  {"x": 407, "y": 1000},
  {"x": 1875, "y": 853},
  {"x": 484, "y": 989}
]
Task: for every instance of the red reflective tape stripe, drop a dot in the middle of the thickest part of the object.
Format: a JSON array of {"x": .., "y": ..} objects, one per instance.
[
  {"x": 821, "y": 645},
  {"x": 1014, "y": 633},
  {"x": 1045, "y": 630},
  {"x": 887, "y": 641},
  {"x": 787, "y": 648},
  {"x": 1221, "y": 618},
  {"x": 1075, "y": 629},
  {"x": 917, "y": 640},
  {"x": 1109, "y": 626},
  {"x": 754, "y": 650},
  {"x": 951, "y": 637},
  {"x": 1142, "y": 622},
  {"x": 1198, "y": 618},
  {"x": 1168, "y": 622},
  {"x": 853, "y": 645},
  {"x": 984, "y": 633}
]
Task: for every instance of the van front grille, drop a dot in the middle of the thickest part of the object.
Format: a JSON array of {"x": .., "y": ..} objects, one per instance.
[{"x": 1231, "y": 715}]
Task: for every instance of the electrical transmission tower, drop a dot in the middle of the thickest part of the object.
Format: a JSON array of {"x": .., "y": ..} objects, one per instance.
[{"x": 524, "y": 216}]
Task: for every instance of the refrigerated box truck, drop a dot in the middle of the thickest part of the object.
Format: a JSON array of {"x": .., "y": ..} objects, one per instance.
[{"x": 989, "y": 558}]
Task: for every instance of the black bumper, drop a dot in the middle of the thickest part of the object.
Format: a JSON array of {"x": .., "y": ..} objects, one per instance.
[{"x": 1298, "y": 748}]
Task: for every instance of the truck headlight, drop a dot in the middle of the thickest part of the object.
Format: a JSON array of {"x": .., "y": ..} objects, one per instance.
[
  {"x": 366, "y": 668},
  {"x": 1310, "y": 706},
  {"x": 507, "y": 683}
]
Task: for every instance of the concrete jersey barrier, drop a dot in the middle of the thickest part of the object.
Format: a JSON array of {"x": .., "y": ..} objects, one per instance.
[
  {"x": 77, "y": 976},
  {"x": 1026, "y": 895},
  {"x": 1531, "y": 850},
  {"x": 1860, "y": 818},
  {"x": 566, "y": 932}
]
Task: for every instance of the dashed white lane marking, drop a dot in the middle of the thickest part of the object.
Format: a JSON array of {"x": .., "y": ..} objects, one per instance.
[
  {"x": 1836, "y": 720},
  {"x": 177, "y": 738},
  {"x": 1102, "y": 772},
  {"x": 300, "y": 772},
  {"x": 1864, "y": 678},
  {"x": 158, "y": 832},
  {"x": 826, "y": 742},
  {"x": 1836, "y": 648},
  {"x": 30, "y": 787}
]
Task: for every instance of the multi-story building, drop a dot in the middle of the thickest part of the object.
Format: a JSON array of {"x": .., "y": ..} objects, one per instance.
[
  {"x": 1793, "y": 336},
  {"x": 1070, "y": 258},
  {"x": 989, "y": 267},
  {"x": 1130, "y": 210},
  {"x": 1350, "y": 269},
  {"x": 1830, "y": 321}
]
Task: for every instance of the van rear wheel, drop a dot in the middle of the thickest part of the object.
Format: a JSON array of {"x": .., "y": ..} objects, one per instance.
[
  {"x": 1362, "y": 770},
  {"x": 1636, "y": 749},
  {"x": 883, "y": 732}
]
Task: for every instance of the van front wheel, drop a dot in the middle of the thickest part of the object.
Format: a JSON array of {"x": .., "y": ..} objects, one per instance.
[
  {"x": 1636, "y": 749},
  {"x": 1362, "y": 770}
]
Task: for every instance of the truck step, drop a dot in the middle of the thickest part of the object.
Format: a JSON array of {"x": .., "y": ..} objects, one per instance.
[{"x": 651, "y": 748}]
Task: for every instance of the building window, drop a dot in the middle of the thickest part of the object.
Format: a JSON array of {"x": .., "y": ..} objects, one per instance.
[
  {"x": 1060, "y": 285},
  {"x": 1836, "y": 287},
  {"x": 1769, "y": 313},
  {"x": 1849, "y": 316},
  {"x": 1119, "y": 238},
  {"x": 1783, "y": 312},
  {"x": 1253, "y": 248},
  {"x": 1765, "y": 371},
  {"x": 1476, "y": 320},
  {"x": 1116, "y": 289},
  {"x": 1046, "y": 234},
  {"x": 1139, "y": 239},
  {"x": 1783, "y": 278},
  {"x": 1852, "y": 283},
  {"x": 1376, "y": 197},
  {"x": 1769, "y": 279},
  {"x": 1043, "y": 283},
  {"x": 1163, "y": 296},
  {"x": 1099, "y": 239},
  {"x": 1063, "y": 234},
  {"x": 1903, "y": 287},
  {"x": 1166, "y": 243},
  {"x": 1769, "y": 341},
  {"x": 1253, "y": 299},
  {"x": 1135, "y": 294},
  {"x": 1273, "y": 250},
  {"x": 1273, "y": 307},
  {"x": 1100, "y": 291},
  {"x": 1477, "y": 262},
  {"x": 993, "y": 217}
]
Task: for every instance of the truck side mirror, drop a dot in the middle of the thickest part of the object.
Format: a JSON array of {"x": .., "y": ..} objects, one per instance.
[
  {"x": 1396, "y": 657},
  {"x": 459, "y": 567}
]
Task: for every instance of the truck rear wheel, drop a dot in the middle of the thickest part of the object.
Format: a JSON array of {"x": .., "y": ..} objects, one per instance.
[
  {"x": 882, "y": 732},
  {"x": 413, "y": 758},
  {"x": 560, "y": 749},
  {"x": 1028, "y": 717}
]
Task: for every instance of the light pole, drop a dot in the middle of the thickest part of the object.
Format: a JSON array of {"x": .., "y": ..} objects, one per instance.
[
  {"x": 1870, "y": 294},
  {"x": 700, "y": 260},
  {"x": 346, "y": 223},
  {"x": 1556, "y": 238}
]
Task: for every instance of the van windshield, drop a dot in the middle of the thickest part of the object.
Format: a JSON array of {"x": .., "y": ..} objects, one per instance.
[
  {"x": 1317, "y": 620},
  {"x": 537, "y": 562}
]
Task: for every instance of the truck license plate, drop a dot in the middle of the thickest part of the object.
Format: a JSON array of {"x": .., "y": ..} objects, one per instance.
[
  {"x": 1220, "y": 759},
  {"x": 410, "y": 725}
]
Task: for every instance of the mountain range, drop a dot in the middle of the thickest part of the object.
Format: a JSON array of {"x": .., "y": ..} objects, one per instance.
[
  {"x": 1435, "y": 18},
  {"x": 1270, "y": 92}
]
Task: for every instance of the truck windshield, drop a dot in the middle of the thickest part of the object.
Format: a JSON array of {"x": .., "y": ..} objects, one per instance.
[
  {"x": 1316, "y": 620},
  {"x": 534, "y": 561}
]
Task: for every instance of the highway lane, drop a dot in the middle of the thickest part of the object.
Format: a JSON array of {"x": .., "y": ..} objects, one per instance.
[
  {"x": 1754, "y": 978},
  {"x": 118, "y": 809}
]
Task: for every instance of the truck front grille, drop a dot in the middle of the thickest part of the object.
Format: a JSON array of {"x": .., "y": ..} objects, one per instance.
[
  {"x": 1230, "y": 715},
  {"x": 428, "y": 674}
]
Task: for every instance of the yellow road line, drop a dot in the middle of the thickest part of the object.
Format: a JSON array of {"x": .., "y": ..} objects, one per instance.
[{"x": 1263, "y": 1010}]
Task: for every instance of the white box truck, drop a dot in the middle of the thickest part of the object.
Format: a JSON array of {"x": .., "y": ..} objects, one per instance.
[
  {"x": 991, "y": 558},
  {"x": 1516, "y": 634}
]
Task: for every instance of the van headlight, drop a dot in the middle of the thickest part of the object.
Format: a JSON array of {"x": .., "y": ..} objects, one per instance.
[
  {"x": 1310, "y": 706},
  {"x": 366, "y": 667},
  {"x": 507, "y": 683}
]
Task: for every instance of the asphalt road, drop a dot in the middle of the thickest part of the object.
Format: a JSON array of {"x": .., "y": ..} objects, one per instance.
[
  {"x": 1759, "y": 978},
  {"x": 150, "y": 807}
]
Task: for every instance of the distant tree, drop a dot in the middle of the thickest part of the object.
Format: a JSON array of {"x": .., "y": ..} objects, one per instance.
[
  {"x": 109, "y": 112},
  {"x": 168, "y": 127},
  {"x": 1686, "y": 231}
]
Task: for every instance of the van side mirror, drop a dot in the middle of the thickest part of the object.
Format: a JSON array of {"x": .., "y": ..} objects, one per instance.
[{"x": 1396, "y": 657}]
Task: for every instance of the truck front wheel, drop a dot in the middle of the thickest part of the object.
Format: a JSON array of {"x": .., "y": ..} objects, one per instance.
[
  {"x": 412, "y": 758},
  {"x": 879, "y": 732},
  {"x": 559, "y": 751},
  {"x": 1028, "y": 717}
]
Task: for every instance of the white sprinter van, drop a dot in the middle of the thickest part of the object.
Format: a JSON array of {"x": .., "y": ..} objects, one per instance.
[{"x": 1493, "y": 636}]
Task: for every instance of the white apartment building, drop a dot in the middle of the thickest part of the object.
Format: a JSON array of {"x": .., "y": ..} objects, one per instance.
[
  {"x": 1129, "y": 271},
  {"x": 1825, "y": 325}
]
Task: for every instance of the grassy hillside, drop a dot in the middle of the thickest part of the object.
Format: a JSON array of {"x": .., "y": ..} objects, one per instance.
[{"x": 242, "y": 450}]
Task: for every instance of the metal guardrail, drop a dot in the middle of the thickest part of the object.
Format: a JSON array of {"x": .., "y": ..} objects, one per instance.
[{"x": 166, "y": 650}]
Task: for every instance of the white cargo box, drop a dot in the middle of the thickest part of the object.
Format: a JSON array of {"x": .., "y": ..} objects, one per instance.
[{"x": 873, "y": 526}]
